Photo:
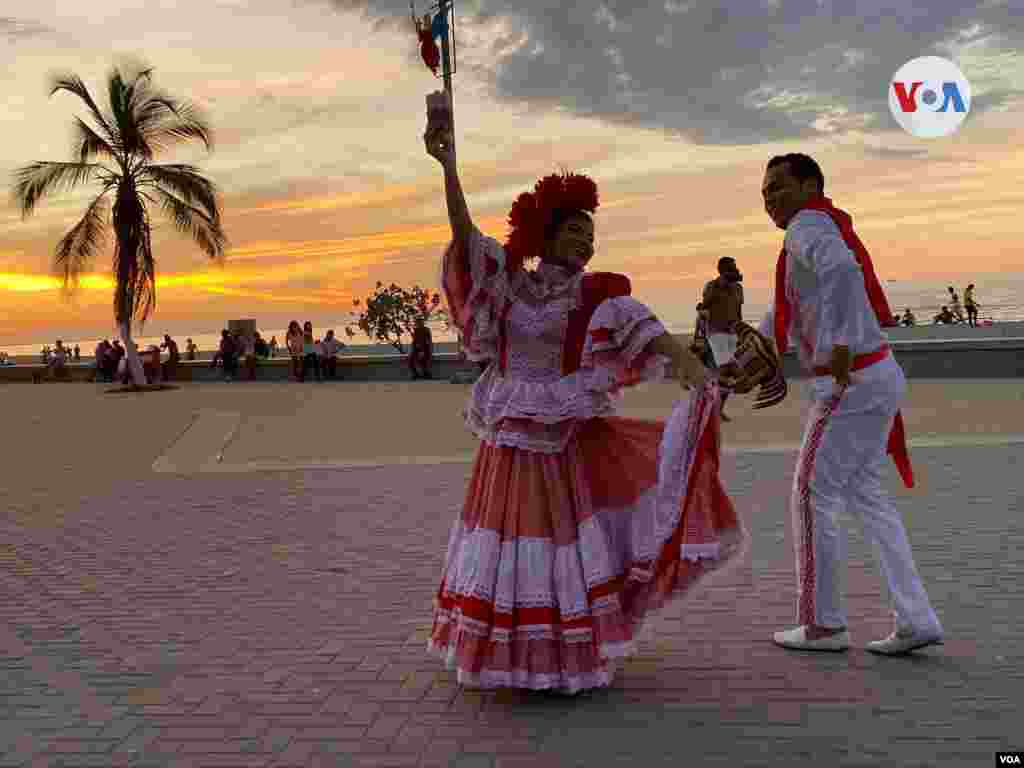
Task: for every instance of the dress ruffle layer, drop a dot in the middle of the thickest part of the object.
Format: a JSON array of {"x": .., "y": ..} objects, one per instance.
[
  {"x": 509, "y": 410},
  {"x": 559, "y": 558}
]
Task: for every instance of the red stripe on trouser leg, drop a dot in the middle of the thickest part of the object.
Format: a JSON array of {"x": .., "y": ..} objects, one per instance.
[{"x": 803, "y": 515}]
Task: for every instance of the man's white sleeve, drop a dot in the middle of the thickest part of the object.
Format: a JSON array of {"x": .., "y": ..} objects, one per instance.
[{"x": 841, "y": 282}]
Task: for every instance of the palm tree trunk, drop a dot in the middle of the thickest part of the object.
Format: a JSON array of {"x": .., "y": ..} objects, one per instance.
[{"x": 132, "y": 355}]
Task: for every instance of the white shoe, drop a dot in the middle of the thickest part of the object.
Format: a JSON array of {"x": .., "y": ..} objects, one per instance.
[
  {"x": 904, "y": 641},
  {"x": 796, "y": 639}
]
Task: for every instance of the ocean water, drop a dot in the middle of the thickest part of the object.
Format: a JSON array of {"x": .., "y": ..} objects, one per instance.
[{"x": 1000, "y": 297}]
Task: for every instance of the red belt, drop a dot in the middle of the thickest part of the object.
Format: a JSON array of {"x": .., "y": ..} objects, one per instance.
[
  {"x": 859, "y": 362},
  {"x": 897, "y": 443}
]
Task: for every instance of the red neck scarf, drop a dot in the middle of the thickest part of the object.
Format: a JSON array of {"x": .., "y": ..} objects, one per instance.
[
  {"x": 897, "y": 446},
  {"x": 843, "y": 220}
]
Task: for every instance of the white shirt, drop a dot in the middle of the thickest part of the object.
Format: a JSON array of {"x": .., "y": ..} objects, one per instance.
[{"x": 825, "y": 288}]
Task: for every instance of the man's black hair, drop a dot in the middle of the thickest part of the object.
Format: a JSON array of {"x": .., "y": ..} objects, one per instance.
[{"x": 802, "y": 167}]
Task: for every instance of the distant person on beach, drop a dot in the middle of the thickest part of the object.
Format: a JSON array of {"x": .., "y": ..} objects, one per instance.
[
  {"x": 57, "y": 365},
  {"x": 170, "y": 367},
  {"x": 561, "y": 550},
  {"x": 857, "y": 389},
  {"x": 945, "y": 317},
  {"x": 310, "y": 358},
  {"x": 971, "y": 305},
  {"x": 954, "y": 305},
  {"x": 78, "y": 353},
  {"x": 191, "y": 350},
  {"x": 151, "y": 364},
  {"x": 246, "y": 344},
  {"x": 115, "y": 354},
  {"x": 262, "y": 347},
  {"x": 102, "y": 372},
  {"x": 273, "y": 347},
  {"x": 908, "y": 318},
  {"x": 421, "y": 354},
  {"x": 329, "y": 349},
  {"x": 227, "y": 355},
  {"x": 730, "y": 274},
  {"x": 720, "y": 309},
  {"x": 293, "y": 340}
]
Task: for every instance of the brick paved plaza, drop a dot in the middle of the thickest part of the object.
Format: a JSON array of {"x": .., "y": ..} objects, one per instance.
[{"x": 280, "y": 619}]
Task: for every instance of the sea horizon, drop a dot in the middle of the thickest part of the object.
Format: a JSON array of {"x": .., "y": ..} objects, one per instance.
[{"x": 1001, "y": 298}]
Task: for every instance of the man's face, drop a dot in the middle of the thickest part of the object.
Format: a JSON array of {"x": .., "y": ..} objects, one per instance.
[
  {"x": 573, "y": 245},
  {"x": 784, "y": 195},
  {"x": 729, "y": 270}
]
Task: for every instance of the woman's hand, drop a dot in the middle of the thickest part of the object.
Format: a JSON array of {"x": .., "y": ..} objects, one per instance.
[{"x": 438, "y": 142}]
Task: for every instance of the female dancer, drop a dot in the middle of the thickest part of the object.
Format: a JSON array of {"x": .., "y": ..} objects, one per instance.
[{"x": 576, "y": 523}]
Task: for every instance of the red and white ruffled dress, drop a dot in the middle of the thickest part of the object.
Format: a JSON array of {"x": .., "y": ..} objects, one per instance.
[{"x": 577, "y": 523}]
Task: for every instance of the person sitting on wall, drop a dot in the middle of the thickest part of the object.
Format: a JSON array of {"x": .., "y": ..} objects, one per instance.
[
  {"x": 908, "y": 318},
  {"x": 945, "y": 317},
  {"x": 421, "y": 356}
]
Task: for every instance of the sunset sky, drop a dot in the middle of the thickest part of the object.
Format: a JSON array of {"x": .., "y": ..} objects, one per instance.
[{"x": 673, "y": 108}]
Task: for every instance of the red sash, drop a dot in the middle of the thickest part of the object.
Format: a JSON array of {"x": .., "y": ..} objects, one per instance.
[{"x": 897, "y": 446}]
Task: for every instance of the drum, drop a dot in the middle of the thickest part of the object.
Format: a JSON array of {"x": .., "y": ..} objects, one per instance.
[{"x": 755, "y": 364}]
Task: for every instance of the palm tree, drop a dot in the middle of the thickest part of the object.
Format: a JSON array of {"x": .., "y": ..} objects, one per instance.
[{"x": 140, "y": 122}]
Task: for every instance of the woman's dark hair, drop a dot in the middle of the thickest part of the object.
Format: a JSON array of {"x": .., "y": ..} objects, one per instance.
[
  {"x": 561, "y": 215},
  {"x": 802, "y": 167}
]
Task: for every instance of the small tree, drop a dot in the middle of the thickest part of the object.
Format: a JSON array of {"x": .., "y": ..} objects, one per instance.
[{"x": 392, "y": 312}]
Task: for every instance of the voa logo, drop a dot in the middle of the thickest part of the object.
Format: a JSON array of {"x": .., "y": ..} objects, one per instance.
[
  {"x": 929, "y": 97},
  {"x": 1009, "y": 759}
]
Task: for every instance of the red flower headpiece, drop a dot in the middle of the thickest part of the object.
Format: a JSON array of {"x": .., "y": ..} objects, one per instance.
[{"x": 531, "y": 213}]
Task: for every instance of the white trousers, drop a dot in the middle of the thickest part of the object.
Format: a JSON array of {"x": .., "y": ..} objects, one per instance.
[{"x": 840, "y": 467}]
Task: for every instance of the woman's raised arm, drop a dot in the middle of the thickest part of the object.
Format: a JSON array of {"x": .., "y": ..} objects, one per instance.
[{"x": 438, "y": 141}]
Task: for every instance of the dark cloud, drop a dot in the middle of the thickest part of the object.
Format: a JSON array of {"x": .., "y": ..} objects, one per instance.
[{"x": 725, "y": 72}]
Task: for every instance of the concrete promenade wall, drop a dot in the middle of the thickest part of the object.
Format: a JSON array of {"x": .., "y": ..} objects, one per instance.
[{"x": 981, "y": 357}]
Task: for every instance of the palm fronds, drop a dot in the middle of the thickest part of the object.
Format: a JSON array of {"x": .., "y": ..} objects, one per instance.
[
  {"x": 36, "y": 180},
  {"x": 204, "y": 229},
  {"x": 79, "y": 246},
  {"x": 89, "y": 144},
  {"x": 73, "y": 84},
  {"x": 165, "y": 122},
  {"x": 185, "y": 182}
]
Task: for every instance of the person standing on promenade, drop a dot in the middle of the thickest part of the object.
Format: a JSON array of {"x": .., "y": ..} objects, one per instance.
[
  {"x": 293, "y": 342},
  {"x": 310, "y": 356},
  {"x": 829, "y": 303},
  {"x": 729, "y": 277},
  {"x": 971, "y": 305},
  {"x": 329, "y": 347},
  {"x": 577, "y": 523},
  {"x": 170, "y": 366},
  {"x": 421, "y": 352}
]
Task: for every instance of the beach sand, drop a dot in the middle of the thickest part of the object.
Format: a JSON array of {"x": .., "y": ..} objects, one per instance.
[{"x": 64, "y": 440}]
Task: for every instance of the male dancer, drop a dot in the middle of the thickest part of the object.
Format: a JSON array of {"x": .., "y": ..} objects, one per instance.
[{"x": 830, "y": 304}]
